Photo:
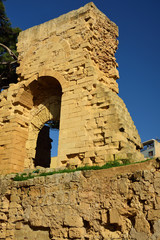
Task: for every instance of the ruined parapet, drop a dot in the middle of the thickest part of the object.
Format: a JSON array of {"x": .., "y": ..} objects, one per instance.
[{"x": 68, "y": 72}]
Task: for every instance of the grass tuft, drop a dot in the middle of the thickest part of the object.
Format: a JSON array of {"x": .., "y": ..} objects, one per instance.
[{"x": 116, "y": 163}]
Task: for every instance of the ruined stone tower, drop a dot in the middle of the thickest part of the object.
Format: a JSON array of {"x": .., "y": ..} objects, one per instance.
[{"x": 67, "y": 72}]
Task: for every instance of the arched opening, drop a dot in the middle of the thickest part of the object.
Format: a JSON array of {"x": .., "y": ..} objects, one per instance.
[
  {"x": 45, "y": 113},
  {"x": 54, "y": 136},
  {"x": 47, "y": 144},
  {"x": 43, "y": 148}
]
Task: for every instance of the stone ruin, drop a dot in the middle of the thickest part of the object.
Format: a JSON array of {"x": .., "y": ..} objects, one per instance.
[{"x": 67, "y": 73}]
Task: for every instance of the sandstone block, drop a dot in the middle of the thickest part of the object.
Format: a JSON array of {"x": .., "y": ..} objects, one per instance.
[
  {"x": 18, "y": 225},
  {"x": 141, "y": 224},
  {"x": 76, "y": 233},
  {"x": 156, "y": 227},
  {"x": 156, "y": 185},
  {"x": 122, "y": 186},
  {"x": 138, "y": 235},
  {"x": 3, "y": 217},
  {"x": 114, "y": 217},
  {"x": 153, "y": 214},
  {"x": 72, "y": 219}
]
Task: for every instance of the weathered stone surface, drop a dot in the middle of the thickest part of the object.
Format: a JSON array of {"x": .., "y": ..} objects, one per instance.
[
  {"x": 153, "y": 214},
  {"x": 72, "y": 219},
  {"x": 67, "y": 72},
  {"x": 141, "y": 224},
  {"x": 83, "y": 206},
  {"x": 156, "y": 229},
  {"x": 76, "y": 233},
  {"x": 114, "y": 217},
  {"x": 26, "y": 232},
  {"x": 136, "y": 235}
]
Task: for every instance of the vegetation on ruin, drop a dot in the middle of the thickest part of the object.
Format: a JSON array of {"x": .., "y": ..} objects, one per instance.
[{"x": 37, "y": 173}]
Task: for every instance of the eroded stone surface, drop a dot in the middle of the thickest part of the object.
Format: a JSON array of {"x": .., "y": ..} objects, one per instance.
[{"x": 83, "y": 206}]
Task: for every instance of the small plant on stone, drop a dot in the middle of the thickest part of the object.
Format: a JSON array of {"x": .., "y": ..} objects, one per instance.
[{"x": 110, "y": 164}]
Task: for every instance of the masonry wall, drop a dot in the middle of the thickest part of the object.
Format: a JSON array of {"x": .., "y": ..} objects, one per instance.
[
  {"x": 117, "y": 203},
  {"x": 67, "y": 72}
]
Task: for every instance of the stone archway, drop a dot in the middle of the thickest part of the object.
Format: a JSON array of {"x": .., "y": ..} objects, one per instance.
[{"x": 46, "y": 94}]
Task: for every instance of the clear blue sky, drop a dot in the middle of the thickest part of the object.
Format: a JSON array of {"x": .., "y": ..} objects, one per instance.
[{"x": 138, "y": 55}]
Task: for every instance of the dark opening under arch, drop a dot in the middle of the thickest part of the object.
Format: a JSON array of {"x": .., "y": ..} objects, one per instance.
[
  {"x": 43, "y": 148},
  {"x": 47, "y": 95}
]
